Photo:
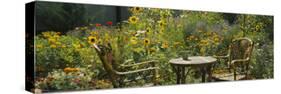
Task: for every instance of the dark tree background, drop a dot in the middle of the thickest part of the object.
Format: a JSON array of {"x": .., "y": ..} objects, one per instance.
[
  {"x": 59, "y": 17},
  {"x": 63, "y": 17}
]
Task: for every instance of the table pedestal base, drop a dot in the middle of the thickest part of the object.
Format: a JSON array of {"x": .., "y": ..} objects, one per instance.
[{"x": 181, "y": 73}]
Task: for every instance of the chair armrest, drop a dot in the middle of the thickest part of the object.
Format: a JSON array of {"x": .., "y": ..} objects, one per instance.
[
  {"x": 141, "y": 63},
  {"x": 127, "y": 62},
  {"x": 137, "y": 71},
  {"x": 239, "y": 60},
  {"x": 221, "y": 57}
]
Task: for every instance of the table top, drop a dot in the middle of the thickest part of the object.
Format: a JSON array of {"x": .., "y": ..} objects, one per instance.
[{"x": 193, "y": 60}]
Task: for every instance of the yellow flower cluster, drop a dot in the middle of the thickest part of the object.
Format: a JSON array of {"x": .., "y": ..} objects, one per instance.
[
  {"x": 52, "y": 38},
  {"x": 50, "y": 34},
  {"x": 203, "y": 42},
  {"x": 192, "y": 38}
]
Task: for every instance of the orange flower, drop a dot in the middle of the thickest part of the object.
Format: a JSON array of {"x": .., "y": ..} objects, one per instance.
[{"x": 68, "y": 70}]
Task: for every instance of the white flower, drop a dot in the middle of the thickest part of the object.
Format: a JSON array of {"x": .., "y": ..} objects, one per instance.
[{"x": 139, "y": 32}]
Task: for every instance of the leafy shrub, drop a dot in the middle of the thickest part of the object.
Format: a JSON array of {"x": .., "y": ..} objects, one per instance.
[
  {"x": 67, "y": 79},
  {"x": 54, "y": 51}
]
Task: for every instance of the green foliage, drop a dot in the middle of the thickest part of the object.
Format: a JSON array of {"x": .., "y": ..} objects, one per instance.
[
  {"x": 260, "y": 29},
  {"x": 61, "y": 80},
  {"x": 57, "y": 52},
  {"x": 262, "y": 62}
]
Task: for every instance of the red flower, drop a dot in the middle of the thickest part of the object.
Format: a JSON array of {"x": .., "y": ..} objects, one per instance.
[
  {"x": 109, "y": 23},
  {"x": 98, "y": 25}
]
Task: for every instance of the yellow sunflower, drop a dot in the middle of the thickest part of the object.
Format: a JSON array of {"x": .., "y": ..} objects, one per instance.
[
  {"x": 146, "y": 42},
  {"x": 92, "y": 40},
  {"x": 136, "y": 10},
  {"x": 148, "y": 30},
  {"x": 133, "y": 20},
  {"x": 161, "y": 23}
]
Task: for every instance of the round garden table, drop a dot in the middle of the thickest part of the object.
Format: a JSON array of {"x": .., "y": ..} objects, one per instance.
[{"x": 204, "y": 63}]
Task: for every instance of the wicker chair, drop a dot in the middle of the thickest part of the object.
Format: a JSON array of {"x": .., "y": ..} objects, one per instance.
[
  {"x": 237, "y": 61},
  {"x": 120, "y": 74}
]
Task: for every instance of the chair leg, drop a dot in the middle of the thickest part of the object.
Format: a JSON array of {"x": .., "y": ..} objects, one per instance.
[
  {"x": 121, "y": 84},
  {"x": 155, "y": 77},
  {"x": 114, "y": 84},
  {"x": 234, "y": 71},
  {"x": 115, "y": 81}
]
